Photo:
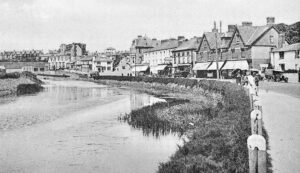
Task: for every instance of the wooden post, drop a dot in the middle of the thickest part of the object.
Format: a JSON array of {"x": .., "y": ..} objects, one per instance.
[
  {"x": 257, "y": 154},
  {"x": 256, "y": 122}
]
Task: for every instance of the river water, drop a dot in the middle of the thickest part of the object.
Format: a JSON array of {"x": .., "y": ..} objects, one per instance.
[{"x": 73, "y": 126}]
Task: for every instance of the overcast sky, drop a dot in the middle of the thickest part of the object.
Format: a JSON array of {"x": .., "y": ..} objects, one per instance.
[{"x": 45, "y": 24}]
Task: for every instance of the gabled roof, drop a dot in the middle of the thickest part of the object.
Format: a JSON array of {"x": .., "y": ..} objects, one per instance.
[
  {"x": 211, "y": 39},
  {"x": 251, "y": 34},
  {"x": 292, "y": 47},
  {"x": 191, "y": 44},
  {"x": 170, "y": 44}
]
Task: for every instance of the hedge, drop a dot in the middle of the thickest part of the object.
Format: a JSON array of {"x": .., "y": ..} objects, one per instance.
[{"x": 10, "y": 76}]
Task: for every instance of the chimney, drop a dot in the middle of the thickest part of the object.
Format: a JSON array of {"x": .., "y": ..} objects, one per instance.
[
  {"x": 281, "y": 40},
  {"x": 139, "y": 36},
  {"x": 246, "y": 23},
  {"x": 231, "y": 28},
  {"x": 270, "y": 21},
  {"x": 180, "y": 38},
  {"x": 215, "y": 27}
]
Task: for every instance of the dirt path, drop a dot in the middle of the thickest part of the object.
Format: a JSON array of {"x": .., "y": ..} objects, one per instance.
[{"x": 281, "y": 115}]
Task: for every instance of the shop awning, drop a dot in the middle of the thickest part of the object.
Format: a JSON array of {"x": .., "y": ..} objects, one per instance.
[
  {"x": 213, "y": 66},
  {"x": 140, "y": 68},
  {"x": 201, "y": 66},
  {"x": 155, "y": 69},
  {"x": 231, "y": 65}
]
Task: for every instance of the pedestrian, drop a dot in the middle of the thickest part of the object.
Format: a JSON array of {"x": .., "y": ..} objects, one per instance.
[{"x": 238, "y": 78}]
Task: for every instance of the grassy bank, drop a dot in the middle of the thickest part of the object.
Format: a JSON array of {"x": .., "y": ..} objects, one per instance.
[
  {"x": 215, "y": 115},
  {"x": 23, "y": 84}
]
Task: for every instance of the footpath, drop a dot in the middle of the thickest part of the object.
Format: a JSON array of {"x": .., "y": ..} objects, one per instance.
[{"x": 281, "y": 114}]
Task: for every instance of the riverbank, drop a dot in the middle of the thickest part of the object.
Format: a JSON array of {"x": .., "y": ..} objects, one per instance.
[{"x": 214, "y": 115}]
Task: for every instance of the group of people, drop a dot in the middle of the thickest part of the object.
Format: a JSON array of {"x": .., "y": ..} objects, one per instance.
[{"x": 248, "y": 79}]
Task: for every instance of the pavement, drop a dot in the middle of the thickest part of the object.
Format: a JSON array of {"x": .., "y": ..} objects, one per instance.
[{"x": 281, "y": 117}]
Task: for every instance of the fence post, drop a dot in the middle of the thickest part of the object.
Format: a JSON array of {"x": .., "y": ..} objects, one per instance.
[
  {"x": 257, "y": 105},
  {"x": 256, "y": 122},
  {"x": 257, "y": 154}
]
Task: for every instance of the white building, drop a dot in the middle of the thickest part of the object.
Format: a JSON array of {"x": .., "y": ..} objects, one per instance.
[
  {"x": 58, "y": 61},
  {"x": 102, "y": 64},
  {"x": 159, "y": 57},
  {"x": 286, "y": 58}
]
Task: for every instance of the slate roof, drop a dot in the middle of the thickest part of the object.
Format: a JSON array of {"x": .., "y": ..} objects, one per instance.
[
  {"x": 211, "y": 39},
  {"x": 170, "y": 44},
  {"x": 250, "y": 34},
  {"x": 146, "y": 42},
  {"x": 292, "y": 47},
  {"x": 191, "y": 44}
]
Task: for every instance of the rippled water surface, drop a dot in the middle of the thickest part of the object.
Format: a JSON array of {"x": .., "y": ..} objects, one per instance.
[{"x": 72, "y": 126}]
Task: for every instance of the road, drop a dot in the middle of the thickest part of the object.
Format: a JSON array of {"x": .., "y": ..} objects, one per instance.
[{"x": 281, "y": 116}]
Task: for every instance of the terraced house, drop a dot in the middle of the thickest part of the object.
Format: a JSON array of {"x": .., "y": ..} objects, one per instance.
[
  {"x": 246, "y": 47},
  {"x": 185, "y": 54},
  {"x": 254, "y": 43},
  {"x": 160, "y": 58}
]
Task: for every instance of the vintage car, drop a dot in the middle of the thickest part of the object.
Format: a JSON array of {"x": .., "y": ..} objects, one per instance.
[{"x": 275, "y": 75}]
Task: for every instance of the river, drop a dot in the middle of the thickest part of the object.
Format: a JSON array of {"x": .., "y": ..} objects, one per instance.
[{"x": 73, "y": 126}]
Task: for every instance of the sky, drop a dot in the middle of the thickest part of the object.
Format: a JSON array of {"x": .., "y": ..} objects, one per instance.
[{"x": 45, "y": 24}]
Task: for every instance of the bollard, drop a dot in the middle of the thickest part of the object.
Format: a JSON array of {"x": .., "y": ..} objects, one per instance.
[
  {"x": 257, "y": 154},
  {"x": 256, "y": 122},
  {"x": 257, "y": 105}
]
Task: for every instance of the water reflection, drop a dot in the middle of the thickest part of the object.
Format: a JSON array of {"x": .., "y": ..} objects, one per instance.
[{"x": 72, "y": 127}]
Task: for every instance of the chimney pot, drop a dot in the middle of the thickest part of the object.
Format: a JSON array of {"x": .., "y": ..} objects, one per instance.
[
  {"x": 246, "y": 23},
  {"x": 270, "y": 20}
]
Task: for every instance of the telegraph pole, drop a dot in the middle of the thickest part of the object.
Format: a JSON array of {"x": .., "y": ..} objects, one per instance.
[{"x": 217, "y": 61}]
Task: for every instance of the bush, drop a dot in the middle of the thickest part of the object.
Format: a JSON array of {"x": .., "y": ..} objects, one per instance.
[
  {"x": 14, "y": 75},
  {"x": 28, "y": 88}
]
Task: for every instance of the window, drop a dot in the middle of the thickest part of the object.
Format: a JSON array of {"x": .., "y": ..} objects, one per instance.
[
  {"x": 271, "y": 39},
  {"x": 42, "y": 69},
  {"x": 108, "y": 68},
  {"x": 232, "y": 50},
  {"x": 35, "y": 69},
  {"x": 297, "y": 54},
  {"x": 281, "y": 55},
  {"x": 108, "y": 63},
  {"x": 123, "y": 67},
  {"x": 188, "y": 53},
  {"x": 182, "y": 53}
]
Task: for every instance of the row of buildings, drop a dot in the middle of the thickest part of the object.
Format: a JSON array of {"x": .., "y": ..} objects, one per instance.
[{"x": 242, "y": 47}]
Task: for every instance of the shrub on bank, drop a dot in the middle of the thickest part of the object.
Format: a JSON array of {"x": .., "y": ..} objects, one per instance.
[
  {"x": 10, "y": 76},
  {"x": 28, "y": 88}
]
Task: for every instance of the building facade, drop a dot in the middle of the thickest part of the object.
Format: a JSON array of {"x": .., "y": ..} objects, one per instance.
[
  {"x": 59, "y": 61},
  {"x": 286, "y": 58}
]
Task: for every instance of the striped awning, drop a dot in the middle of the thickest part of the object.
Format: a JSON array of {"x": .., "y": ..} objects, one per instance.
[
  {"x": 140, "y": 68},
  {"x": 232, "y": 65}
]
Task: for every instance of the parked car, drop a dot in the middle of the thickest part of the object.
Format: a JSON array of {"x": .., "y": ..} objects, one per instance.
[{"x": 275, "y": 75}]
